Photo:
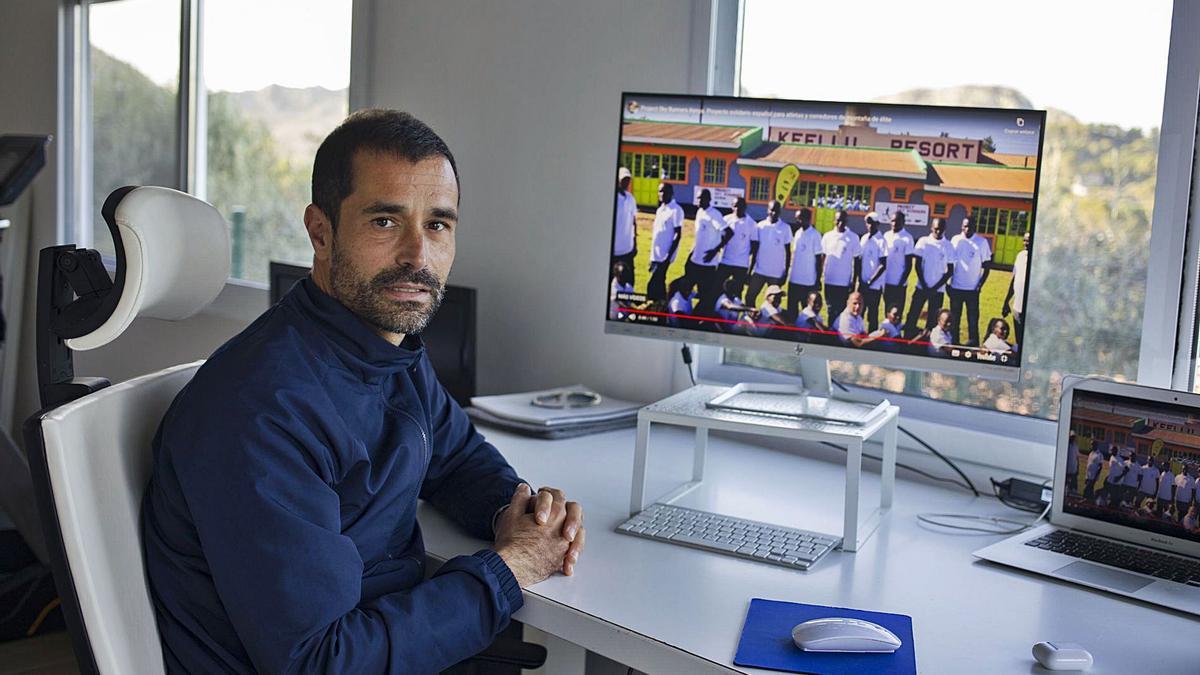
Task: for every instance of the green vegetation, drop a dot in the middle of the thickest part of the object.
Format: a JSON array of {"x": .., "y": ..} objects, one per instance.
[{"x": 249, "y": 169}]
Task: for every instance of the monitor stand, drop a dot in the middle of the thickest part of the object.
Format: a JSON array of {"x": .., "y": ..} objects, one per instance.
[{"x": 690, "y": 408}]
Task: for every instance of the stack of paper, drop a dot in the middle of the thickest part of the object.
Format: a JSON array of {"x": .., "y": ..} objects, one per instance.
[{"x": 516, "y": 412}]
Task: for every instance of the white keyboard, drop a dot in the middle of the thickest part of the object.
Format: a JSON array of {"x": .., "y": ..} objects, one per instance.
[{"x": 752, "y": 540}]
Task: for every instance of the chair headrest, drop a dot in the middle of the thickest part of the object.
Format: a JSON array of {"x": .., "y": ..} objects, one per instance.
[{"x": 174, "y": 252}]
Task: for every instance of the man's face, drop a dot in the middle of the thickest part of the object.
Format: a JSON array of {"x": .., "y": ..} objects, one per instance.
[
  {"x": 897, "y": 222},
  {"x": 1025, "y": 242},
  {"x": 775, "y": 299},
  {"x": 773, "y": 212},
  {"x": 938, "y": 228},
  {"x": 705, "y": 199},
  {"x": 816, "y": 303},
  {"x": 893, "y": 316},
  {"x": 1001, "y": 330},
  {"x": 872, "y": 226},
  {"x": 394, "y": 244},
  {"x": 944, "y": 320},
  {"x": 740, "y": 207},
  {"x": 840, "y": 221},
  {"x": 854, "y": 302},
  {"x": 968, "y": 228},
  {"x": 663, "y": 193},
  {"x": 624, "y": 183}
]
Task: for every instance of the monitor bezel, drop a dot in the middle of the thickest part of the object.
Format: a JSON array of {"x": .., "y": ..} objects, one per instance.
[
  {"x": 1058, "y": 516},
  {"x": 951, "y": 366}
]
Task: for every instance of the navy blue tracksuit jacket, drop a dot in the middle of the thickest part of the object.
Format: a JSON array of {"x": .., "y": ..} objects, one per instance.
[{"x": 280, "y": 524}]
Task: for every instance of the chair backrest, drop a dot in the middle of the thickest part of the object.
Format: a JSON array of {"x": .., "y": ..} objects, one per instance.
[{"x": 98, "y": 459}]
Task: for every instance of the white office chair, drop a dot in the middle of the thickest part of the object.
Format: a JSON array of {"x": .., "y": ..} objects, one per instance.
[{"x": 90, "y": 446}]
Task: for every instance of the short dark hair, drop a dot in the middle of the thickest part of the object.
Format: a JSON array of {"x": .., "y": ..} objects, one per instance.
[{"x": 374, "y": 130}]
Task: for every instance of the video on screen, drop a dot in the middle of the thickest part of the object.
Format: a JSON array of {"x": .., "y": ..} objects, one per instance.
[
  {"x": 863, "y": 225},
  {"x": 1134, "y": 464}
]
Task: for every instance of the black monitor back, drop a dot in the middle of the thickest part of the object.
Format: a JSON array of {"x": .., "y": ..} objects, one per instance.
[{"x": 449, "y": 338}]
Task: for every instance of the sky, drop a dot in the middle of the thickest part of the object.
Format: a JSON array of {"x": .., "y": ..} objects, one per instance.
[
  {"x": 248, "y": 44},
  {"x": 1001, "y": 126},
  {"x": 1102, "y": 61}
]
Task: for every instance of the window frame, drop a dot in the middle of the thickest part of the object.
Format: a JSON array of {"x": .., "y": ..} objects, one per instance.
[{"x": 1171, "y": 321}]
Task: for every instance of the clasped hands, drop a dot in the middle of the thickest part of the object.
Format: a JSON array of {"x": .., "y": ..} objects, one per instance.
[{"x": 538, "y": 535}]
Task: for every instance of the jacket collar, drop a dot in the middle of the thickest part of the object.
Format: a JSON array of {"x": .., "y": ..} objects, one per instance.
[{"x": 353, "y": 342}]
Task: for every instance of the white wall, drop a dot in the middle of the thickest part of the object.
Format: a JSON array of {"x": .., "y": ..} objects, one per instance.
[{"x": 527, "y": 94}]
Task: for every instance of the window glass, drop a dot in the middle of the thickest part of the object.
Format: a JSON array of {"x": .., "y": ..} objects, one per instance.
[
  {"x": 133, "y": 84},
  {"x": 276, "y": 75},
  {"x": 1088, "y": 271}
]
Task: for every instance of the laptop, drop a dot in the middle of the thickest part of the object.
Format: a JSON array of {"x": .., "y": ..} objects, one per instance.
[{"x": 1122, "y": 519}]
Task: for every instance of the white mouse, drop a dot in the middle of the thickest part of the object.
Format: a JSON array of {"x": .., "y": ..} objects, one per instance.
[
  {"x": 836, "y": 634},
  {"x": 1062, "y": 656}
]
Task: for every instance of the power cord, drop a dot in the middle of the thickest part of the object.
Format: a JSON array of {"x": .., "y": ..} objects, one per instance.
[
  {"x": 966, "y": 481},
  {"x": 687, "y": 361},
  {"x": 982, "y": 524}
]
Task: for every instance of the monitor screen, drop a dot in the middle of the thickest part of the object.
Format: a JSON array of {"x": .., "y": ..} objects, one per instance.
[
  {"x": 1134, "y": 463},
  {"x": 880, "y": 233}
]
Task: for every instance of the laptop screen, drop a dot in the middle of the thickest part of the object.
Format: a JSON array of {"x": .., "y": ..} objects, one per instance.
[{"x": 1134, "y": 463}]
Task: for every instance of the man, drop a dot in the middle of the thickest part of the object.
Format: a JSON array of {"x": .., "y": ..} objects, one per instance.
[
  {"x": 807, "y": 261},
  {"x": 889, "y": 330},
  {"x": 940, "y": 339},
  {"x": 1072, "y": 463},
  {"x": 972, "y": 264},
  {"x": 664, "y": 241},
  {"x": 1131, "y": 479},
  {"x": 735, "y": 258},
  {"x": 935, "y": 266},
  {"x": 850, "y": 328},
  {"x": 900, "y": 250},
  {"x": 1117, "y": 468},
  {"x": 769, "y": 314},
  {"x": 279, "y": 524},
  {"x": 1094, "y": 464},
  {"x": 997, "y": 339},
  {"x": 1166, "y": 486},
  {"x": 842, "y": 264},
  {"x": 625, "y": 235},
  {"x": 729, "y": 307},
  {"x": 1014, "y": 300},
  {"x": 701, "y": 266},
  {"x": 616, "y": 289},
  {"x": 769, "y": 256},
  {"x": 810, "y": 316},
  {"x": 679, "y": 306},
  {"x": 1185, "y": 489},
  {"x": 1148, "y": 487},
  {"x": 874, "y": 266}
]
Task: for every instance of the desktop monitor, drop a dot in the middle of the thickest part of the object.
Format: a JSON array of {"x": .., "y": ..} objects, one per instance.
[
  {"x": 449, "y": 338},
  {"x": 880, "y": 233}
]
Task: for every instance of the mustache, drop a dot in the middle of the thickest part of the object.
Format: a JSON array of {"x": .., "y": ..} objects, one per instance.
[{"x": 407, "y": 275}]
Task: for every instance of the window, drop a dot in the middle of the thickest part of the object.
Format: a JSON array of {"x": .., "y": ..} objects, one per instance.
[
  {"x": 803, "y": 193},
  {"x": 939, "y": 208},
  {"x": 646, "y": 166},
  {"x": 240, "y": 129},
  {"x": 714, "y": 171},
  {"x": 900, "y": 194},
  {"x": 132, "y": 82},
  {"x": 674, "y": 168},
  {"x": 840, "y": 196},
  {"x": 760, "y": 189},
  {"x": 1098, "y": 178}
]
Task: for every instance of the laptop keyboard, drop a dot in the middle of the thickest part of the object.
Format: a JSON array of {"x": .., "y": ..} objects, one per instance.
[{"x": 1123, "y": 556}]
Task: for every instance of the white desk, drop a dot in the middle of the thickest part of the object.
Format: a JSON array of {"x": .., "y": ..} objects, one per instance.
[{"x": 670, "y": 609}]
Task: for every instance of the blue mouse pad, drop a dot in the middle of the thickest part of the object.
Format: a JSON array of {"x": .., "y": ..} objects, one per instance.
[{"x": 767, "y": 641}]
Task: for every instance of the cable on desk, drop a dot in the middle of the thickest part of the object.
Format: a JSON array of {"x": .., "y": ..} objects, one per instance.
[
  {"x": 906, "y": 467},
  {"x": 686, "y": 352},
  {"x": 980, "y": 523},
  {"x": 969, "y": 485}
]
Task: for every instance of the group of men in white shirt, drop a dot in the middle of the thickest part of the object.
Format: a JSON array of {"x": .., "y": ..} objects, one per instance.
[
  {"x": 1136, "y": 483},
  {"x": 771, "y": 253}
]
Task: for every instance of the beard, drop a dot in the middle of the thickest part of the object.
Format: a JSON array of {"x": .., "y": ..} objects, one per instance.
[{"x": 369, "y": 300}]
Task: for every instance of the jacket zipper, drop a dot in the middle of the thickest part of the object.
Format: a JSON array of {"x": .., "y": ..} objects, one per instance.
[{"x": 424, "y": 439}]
